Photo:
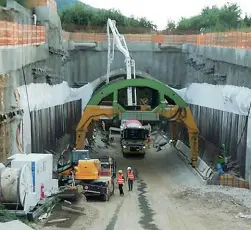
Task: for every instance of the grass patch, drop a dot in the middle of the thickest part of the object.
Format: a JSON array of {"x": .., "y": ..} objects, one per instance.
[{"x": 5, "y": 215}]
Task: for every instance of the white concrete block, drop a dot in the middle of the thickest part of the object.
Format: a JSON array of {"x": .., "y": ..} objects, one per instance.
[
  {"x": 15, "y": 225},
  {"x": 183, "y": 148}
]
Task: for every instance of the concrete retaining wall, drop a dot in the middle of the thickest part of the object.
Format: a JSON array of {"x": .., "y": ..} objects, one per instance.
[
  {"x": 23, "y": 55},
  {"x": 240, "y": 57},
  {"x": 234, "y": 64},
  {"x": 166, "y": 65}
]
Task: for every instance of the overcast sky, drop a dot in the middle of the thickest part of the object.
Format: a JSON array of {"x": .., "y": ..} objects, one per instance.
[{"x": 159, "y": 11}]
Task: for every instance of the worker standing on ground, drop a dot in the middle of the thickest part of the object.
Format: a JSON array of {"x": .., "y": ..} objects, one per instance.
[
  {"x": 120, "y": 182},
  {"x": 130, "y": 178}
]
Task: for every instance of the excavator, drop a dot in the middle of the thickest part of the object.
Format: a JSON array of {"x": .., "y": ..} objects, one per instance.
[{"x": 96, "y": 176}]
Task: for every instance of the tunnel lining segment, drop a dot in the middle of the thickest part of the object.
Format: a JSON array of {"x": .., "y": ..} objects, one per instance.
[{"x": 178, "y": 113}]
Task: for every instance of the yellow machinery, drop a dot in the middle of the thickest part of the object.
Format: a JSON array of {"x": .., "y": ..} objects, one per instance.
[
  {"x": 184, "y": 115},
  {"x": 87, "y": 169},
  {"x": 177, "y": 111},
  {"x": 95, "y": 175}
]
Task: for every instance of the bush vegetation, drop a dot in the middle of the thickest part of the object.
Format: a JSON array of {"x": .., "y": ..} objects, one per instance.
[
  {"x": 213, "y": 19},
  {"x": 80, "y": 14}
]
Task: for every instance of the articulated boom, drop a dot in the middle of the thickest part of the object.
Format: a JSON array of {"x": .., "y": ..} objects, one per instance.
[{"x": 119, "y": 41}]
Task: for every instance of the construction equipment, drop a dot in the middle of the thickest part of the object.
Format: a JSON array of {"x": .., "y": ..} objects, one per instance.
[
  {"x": 133, "y": 138},
  {"x": 167, "y": 104},
  {"x": 119, "y": 40},
  {"x": 95, "y": 175}
]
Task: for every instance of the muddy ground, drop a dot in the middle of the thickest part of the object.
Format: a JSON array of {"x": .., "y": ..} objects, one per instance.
[{"x": 167, "y": 195}]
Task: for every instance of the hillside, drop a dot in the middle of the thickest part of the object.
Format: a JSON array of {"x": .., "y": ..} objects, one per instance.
[
  {"x": 74, "y": 12},
  {"x": 66, "y": 3}
]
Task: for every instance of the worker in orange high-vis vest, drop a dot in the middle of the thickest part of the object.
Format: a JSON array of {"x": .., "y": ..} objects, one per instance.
[
  {"x": 130, "y": 178},
  {"x": 120, "y": 182}
]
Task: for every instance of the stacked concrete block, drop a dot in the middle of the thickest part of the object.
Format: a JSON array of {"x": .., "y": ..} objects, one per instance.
[{"x": 233, "y": 181}]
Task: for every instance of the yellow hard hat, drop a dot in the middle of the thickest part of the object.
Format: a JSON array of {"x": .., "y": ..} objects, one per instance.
[{"x": 120, "y": 171}]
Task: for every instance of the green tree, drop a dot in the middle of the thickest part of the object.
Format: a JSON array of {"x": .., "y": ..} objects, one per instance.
[
  {"x": 79, "y": 14},
  {"x": 247, "y": 21},
  {"x": 213, "y": 19}
]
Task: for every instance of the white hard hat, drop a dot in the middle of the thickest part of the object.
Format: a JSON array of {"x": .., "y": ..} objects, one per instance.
[{"x": 129, "y": 168}]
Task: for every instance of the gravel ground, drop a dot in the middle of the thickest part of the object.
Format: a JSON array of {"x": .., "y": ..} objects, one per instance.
[
  {"x": 236, "y": 195},
  {"x": 167, "y": 195}
]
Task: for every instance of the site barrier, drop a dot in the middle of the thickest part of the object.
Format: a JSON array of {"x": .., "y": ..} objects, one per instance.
[
  {"x": 16, "y": 34},
  {"x": 233, "y": 181},
  {"x": 36, "y": 3},
  {"x": 19, "y": 34},
  {"x": 224, "y": 39}
]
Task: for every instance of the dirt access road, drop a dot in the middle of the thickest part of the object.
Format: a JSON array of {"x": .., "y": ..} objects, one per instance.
[{"x": 167, "y": 195}]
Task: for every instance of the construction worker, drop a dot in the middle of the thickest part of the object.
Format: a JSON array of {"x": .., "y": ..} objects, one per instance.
[
  {"x": 120, "y": 182},
  {"x": 221, "y": 166},
  {"x": 130, "y": 178}
]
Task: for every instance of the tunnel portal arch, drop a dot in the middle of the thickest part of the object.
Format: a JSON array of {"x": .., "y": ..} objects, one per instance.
[
  {"x": 119, "y": 74},
  {"x": 179, "y": 112}
]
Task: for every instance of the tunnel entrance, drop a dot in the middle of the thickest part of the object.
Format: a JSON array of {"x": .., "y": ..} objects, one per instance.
[
  {"x": 108, "y": 101},
  {"x": 146, "y": 96}
]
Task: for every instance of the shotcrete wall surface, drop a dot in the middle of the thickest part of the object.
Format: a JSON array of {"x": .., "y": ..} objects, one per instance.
[
  {"x": 227, "y": 98},
  {"x": 167, "y": 65},
  {"x": 226, "y": 109},
  {"x": 231, "y": 66},
  {"x": 24, "y": 55}
]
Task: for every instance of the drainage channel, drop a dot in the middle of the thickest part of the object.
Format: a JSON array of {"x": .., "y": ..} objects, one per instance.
[
  {"x": 114, "y": 219},
  {"x": 146, "y": 220}
]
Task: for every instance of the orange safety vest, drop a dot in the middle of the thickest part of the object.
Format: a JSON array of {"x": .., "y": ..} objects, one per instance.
[
  {"x": 130, "y": 175},
  {"x": 120, "y": 179}
]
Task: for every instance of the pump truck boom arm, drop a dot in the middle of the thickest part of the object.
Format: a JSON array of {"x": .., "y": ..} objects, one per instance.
[{"x": 119, "y": 41}]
